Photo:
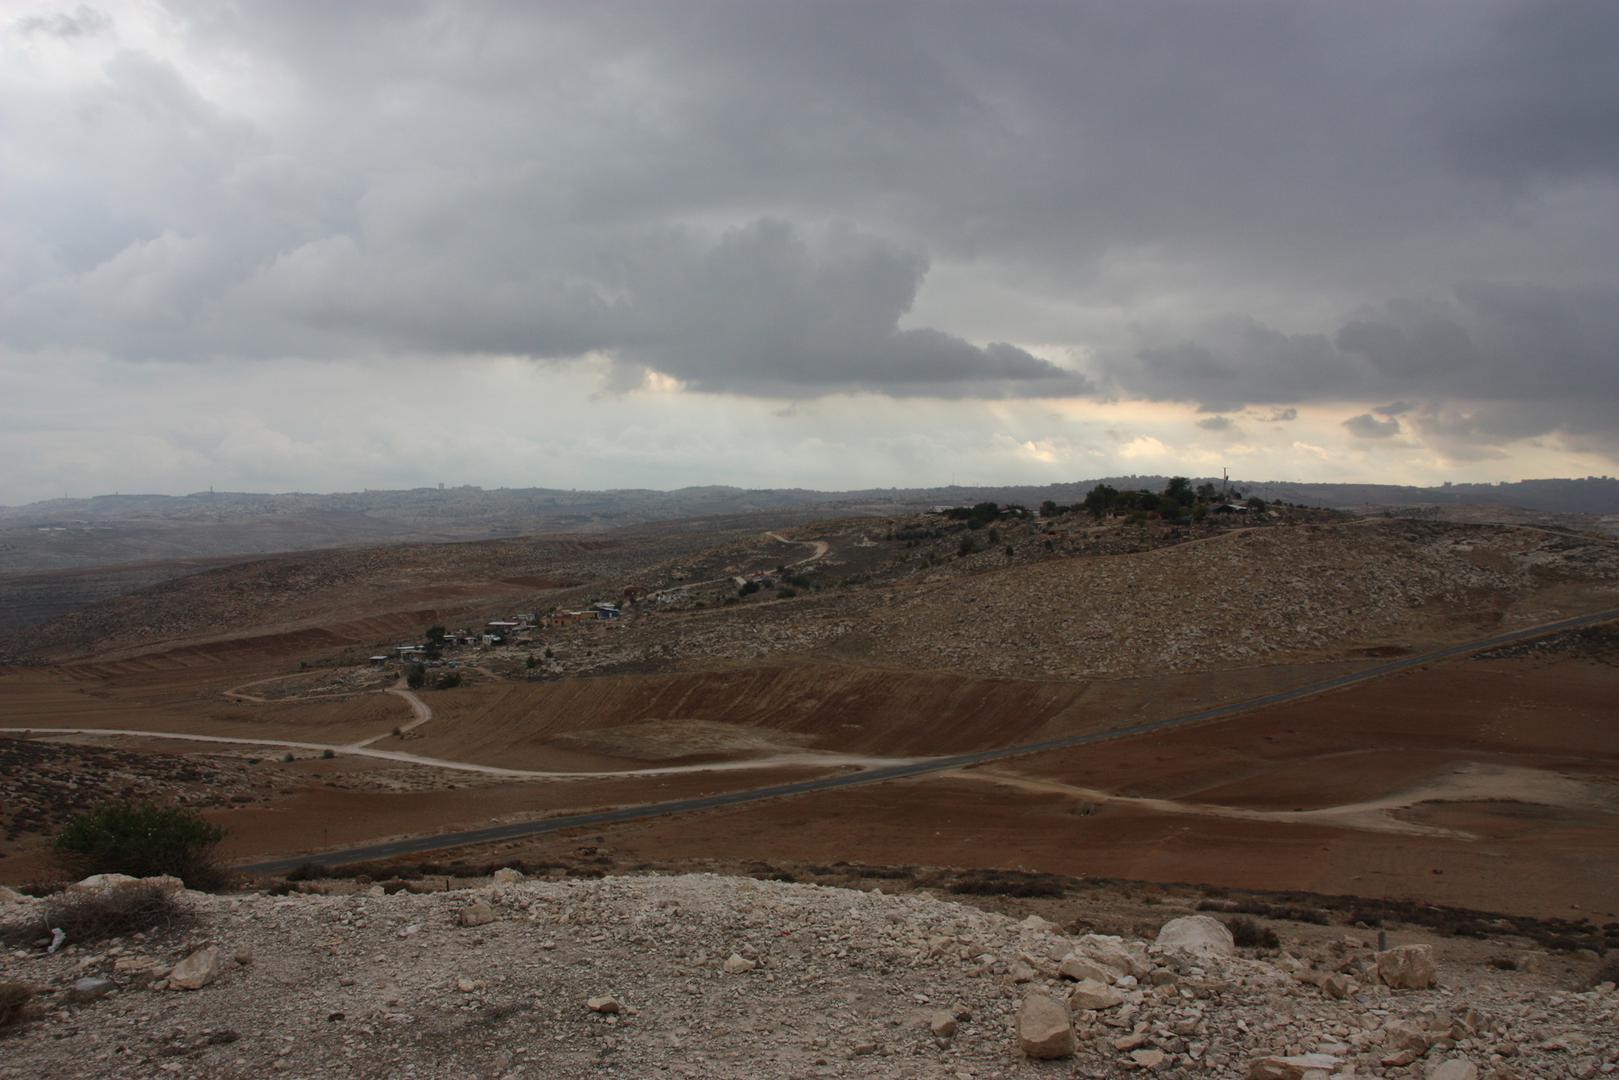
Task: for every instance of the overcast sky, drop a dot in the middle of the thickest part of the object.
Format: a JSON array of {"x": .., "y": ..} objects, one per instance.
[{"x": 316, "y": 246}]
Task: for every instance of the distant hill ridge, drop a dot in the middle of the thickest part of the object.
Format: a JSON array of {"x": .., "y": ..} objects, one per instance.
[
  {"x": 120, "y": 529},
  {"x": 1584, "y": 495}
]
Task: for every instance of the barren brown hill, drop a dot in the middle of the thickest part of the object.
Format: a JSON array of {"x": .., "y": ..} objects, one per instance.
[
  {"x": 313, "y": 590},
  {"x": 1247, "y": 597}
]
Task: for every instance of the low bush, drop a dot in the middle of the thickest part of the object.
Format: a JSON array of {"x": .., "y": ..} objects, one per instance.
[
  {"x": 1009, "y": 883},
  {"x": 1286, "y": 912},
  {"x": 142, "y": 840},
  {"x": 1251, "y": 935},
  {"x": 91, "y": 915}
]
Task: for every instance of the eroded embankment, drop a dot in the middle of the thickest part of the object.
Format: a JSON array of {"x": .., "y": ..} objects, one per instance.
[{"x": 724, "y": 713}]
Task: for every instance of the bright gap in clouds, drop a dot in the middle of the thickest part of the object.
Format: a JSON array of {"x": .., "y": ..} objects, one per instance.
[{"x": 318, "y": 426}]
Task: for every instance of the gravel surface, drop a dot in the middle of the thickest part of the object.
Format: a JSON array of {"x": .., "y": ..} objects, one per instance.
[{"x": 702, "y": 976}]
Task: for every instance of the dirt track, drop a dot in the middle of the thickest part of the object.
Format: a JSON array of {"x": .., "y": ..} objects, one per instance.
[{"x": 1544, "y": 842}]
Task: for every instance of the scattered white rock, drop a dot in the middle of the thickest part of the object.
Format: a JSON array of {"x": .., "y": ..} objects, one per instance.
[
  {"x": 334, "y": 984},
  {"x": 1045, "y": 1027},
  {"x": 1407, "y": 967},
  {"x": 1296, "y": 1067},
  {"x": 89, "y": 989},
  {"x": 475, "y": 914},
  {"x": 1148, "y": 1059},
  {"x": 1197, "y": 934},
  {"x": 1077, "y": 966},
  {"x": 197, "y": 970},
  {"x": 1090, "y": 994}
]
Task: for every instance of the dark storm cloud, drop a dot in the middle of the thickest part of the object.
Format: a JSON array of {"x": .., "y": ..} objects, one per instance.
[
  {"x": 750, "y": 197},
  {"x": 1367, "y": 426},
  {"x": 1502, "y": 347},
  {"x": 767, "y": 311}
]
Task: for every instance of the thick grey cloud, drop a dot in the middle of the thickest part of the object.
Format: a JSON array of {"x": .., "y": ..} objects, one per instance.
[
  {"x": 1367, "y": 426},
  {"x": 1539, "y": 351},
  {"x": 1249, "y": 203}
]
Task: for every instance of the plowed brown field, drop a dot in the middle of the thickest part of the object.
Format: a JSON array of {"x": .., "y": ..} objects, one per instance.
[{"x": 1542, "y": 844}]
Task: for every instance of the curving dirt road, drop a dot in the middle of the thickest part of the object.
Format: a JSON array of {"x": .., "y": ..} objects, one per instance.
[
  {"x": 423, "y": 711},
  {"x": 926, "y": 766},
  {"x": 1473, "y": 783},
  {"x": 821, "y": 548},
  {"x": 829, "y": 761}
]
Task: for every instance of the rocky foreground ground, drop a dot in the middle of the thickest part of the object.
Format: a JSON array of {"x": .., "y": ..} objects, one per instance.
[{"x": 699, "y": 976}]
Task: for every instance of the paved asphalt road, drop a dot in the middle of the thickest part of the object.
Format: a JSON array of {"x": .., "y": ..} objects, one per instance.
[{"x": 413, "y": 845}]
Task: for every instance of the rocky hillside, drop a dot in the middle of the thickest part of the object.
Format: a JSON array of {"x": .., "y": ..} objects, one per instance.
[
  {"x": 1243, "y": 598},
  {"x": 702, "y": 976}
]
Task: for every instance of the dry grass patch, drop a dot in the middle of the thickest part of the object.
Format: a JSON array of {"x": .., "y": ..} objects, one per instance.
[{"x": 88, "y": 916}]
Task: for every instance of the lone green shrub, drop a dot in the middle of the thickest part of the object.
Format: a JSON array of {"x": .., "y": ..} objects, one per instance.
[{"x": 142, "y": 840}]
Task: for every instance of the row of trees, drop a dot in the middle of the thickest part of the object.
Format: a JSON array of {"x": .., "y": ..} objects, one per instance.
[
  {"x": 1178, "y": 499},
  {"x": 980, "y": 514}
]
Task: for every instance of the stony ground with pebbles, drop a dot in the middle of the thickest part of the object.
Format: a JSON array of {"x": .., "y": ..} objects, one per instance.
[{"x": 698, "y": 976}]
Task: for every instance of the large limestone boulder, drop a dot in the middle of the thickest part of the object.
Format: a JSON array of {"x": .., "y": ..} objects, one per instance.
[
  {"x": 1407, "y": 967},
  {"x": 1297, "y": 1067},
  {"x": 1197, "y": 934},
  {"x": 1113, "y": 952},
  {"x": 97, "y": 882},
  {"x": 1077, "y": 966},
  {"x": 1454, "y": 1069},
  {"x": 1090, "y": 994},
  {"x": 88, "y": 989},
  {"x": 197, "y": 970},
  {"x": 103, "y": 882},
  {"x": 476, "y": 914},
  {"x": 1044, "y": 1027}
]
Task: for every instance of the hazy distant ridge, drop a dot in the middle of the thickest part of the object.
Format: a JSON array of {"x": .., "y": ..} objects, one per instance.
[{"x": 120, "y": 529}]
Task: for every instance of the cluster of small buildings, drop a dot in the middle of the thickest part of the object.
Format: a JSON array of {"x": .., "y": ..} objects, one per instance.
[
  {"x": 512, "y": 631},
  {"x": 601, "y": 610}
]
